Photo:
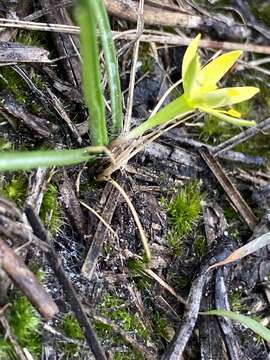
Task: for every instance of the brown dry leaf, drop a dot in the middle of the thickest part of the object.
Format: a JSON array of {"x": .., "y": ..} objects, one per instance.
[{"x": 245, "y": 250}]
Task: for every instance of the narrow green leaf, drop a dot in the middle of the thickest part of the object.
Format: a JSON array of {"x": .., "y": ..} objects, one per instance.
[
  {"x": 111, "y": 63},
  {"x": 27, "y": 160},
  {"x": 178, "y": 108},
  {"x": 92, "y": 84},
  {"x": 244, "y": 320}
]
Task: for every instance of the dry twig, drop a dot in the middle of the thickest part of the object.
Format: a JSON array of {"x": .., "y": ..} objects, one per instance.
[
  {"x": 148, "y": 36},
  {"x": 243, "y": 136},
  {"x": 26, "y": 281}
]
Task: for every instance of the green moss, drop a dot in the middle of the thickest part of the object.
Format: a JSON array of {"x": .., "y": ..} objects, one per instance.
[
  {"x": 199, "y": 246},
  {"x": 214, "y": 131},
  {"x": 262, "y": 12},
  {"x": 39, "y": 274},
  {"x": 105, "y": 332},
  {"x": 25, "y": 323},
  {"x": 11, "y": 81},
  {"x": 137, "y": 267},
  {"x": 72, "y": 329},
  {"x": 148, "y": 62},
  {"x": 38, "y": 81},
  {"x": 230, "y": 214},
  {"x": 236, "y": 301},
  {"x": 50, "y": 211},
  {"x": 183, "y": 213},
  {"x": 88, "y": 186},
  {"x": 161, "y": 327},
  {"x": 114, "y": 308},
  {"x": 30, "y": 38},
  {"x": 5, "y": 145},
  {"x": 257, "y": 146},
  {"x": 127, "y": 354},
  {"x": 15, "y": 189},
  {"x": 180, "y": 280},
  {"x": 36, "y": 108},
  {"x": 6, "y": 349}
]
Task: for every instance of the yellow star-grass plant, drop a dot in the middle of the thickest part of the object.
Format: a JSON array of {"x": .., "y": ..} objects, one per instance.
[{"x": 201, "y": 92}]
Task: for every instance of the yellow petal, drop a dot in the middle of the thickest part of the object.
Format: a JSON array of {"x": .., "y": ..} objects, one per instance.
[
  {"x": 211, "y": 73},
  {"x": 231, "y": 112},
  {"x": 226, "y": 96},
  {"x": 190, "y": 53},
  {"x": 234, "y": 113},
  {"x": 229, "y": 119}
]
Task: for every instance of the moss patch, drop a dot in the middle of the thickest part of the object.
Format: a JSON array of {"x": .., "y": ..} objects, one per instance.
[
  {"x": 72, "y": 329},
  {"x": 180, "y": 280},
  {"x": 114, "y": 308},
  {"x": 262, "y": 12},
  {"x": 161, "y": 327},
  {"x": 25, "y": 324},
  {"x": 50, "y": 211},
  {"x": 5, "y": 144},
  {"x": 127, "y": 354},
  {"x": 13, "y": 83},
  {"x": 10, "y": 80},
  {"x": 148, "y": 62},
  {"x": 199, "y": 246},
  {"x": 183, "y": 213},
  {"x": 214, "y": 131},
  {"x": 31, "y": 38},
  {"x": 6, "y": 349},
  {"x": 15, "y": 189},
  {"x": 137, "y": 266},
  {"x": 236, "y": 301}
]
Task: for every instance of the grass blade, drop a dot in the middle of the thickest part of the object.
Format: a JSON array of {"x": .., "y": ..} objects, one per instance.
[
  {"x": 92, "y": 85},
  {"x": 244, "y": 320},
  {"x": 27, "y": 160},
  {"x": 111, "y": 62}
]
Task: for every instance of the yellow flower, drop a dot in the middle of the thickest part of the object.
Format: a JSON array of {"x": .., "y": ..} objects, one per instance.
[
  {"x": 201, "y": 92},
  {"x": 200, "y": 85}
]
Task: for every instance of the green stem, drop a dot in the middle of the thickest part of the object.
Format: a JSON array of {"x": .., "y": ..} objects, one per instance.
[
  {"x": 27, "y": 160},
  {"x": 176, "y": 109},
  {"x": 111, "y": 63},
  {"x": 93, "y": 91}
]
